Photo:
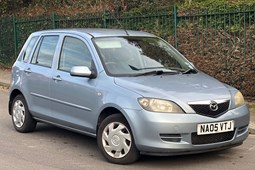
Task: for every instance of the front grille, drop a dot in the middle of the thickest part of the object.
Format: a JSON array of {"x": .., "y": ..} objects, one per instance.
[
  {"x": 204, "y": 109},
  {"x": 211, "y": 138}
]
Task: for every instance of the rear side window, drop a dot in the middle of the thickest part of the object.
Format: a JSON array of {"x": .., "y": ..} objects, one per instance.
[
  {"x": 29, "y": 48},
  {"x": 74, "y": 53},
  {"x": 45, "y": 50}
]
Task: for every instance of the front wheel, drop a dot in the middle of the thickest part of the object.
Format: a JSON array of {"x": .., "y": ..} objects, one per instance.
[
  {"x": 115, "y": 140},
  {"x": 21, "y": 117}
]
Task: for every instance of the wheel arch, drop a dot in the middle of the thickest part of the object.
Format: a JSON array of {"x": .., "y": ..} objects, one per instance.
[
  {"x": 107, "y": 112},
  {"x": 13, "y": 94}
]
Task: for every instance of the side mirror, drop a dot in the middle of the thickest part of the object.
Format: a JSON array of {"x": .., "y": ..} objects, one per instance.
[{"x": 82, "y": 71}]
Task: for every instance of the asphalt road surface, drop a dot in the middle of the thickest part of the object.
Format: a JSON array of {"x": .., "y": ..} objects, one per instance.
[{"x": 52, "y": 148}]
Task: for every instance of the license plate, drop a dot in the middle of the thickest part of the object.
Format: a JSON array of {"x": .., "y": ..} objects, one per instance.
[{"x": 216, "y": 127}]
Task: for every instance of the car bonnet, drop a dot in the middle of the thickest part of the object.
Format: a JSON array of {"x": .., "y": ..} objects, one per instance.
[{"x": 179, "y": 87}]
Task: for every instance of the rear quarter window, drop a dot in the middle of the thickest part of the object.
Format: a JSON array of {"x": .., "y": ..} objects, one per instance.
[{"x": 29, "y": 48}]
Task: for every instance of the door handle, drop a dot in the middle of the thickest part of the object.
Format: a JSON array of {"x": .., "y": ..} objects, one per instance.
[
  {"x": 57, "y": 78},
  {"x": 28, "y": 70}
]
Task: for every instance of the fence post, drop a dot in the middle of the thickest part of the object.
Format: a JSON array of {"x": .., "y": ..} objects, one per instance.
[
  {"x": 54, "y": 20},
  {"x": 15, "y": 34},
  {"x": 104, "y": 19},
  {"x": 175, "y": 26}
]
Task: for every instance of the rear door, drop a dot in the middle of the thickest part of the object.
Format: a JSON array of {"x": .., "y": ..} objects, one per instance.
[{"x": 37, "y": 76}]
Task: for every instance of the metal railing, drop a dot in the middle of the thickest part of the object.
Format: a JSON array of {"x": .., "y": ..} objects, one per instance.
[{"x": 219, "y": 42}]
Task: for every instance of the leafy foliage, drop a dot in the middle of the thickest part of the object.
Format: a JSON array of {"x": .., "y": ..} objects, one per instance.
[{"x": 74, "y": 7}]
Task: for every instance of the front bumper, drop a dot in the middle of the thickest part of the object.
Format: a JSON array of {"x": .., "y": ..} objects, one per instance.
[{"x": 174, "y": 134}]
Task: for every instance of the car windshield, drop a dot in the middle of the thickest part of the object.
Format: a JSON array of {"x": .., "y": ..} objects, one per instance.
[{"x": 134, "y": 56}]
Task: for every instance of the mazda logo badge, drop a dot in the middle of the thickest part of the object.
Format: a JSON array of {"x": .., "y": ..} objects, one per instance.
[{"x": 213, "y": 106}]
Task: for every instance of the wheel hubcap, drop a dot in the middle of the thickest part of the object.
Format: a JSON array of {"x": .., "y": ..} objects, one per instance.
[
  {"x": 116, "y": 140},
  {"x": 18, "y": 113}
]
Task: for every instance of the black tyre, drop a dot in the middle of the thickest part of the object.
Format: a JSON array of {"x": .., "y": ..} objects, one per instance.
[
  {"x": 115, "y": 140},
  {"x": 21, "y": 117}
]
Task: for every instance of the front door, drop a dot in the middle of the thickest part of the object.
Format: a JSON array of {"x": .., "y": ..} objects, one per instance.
[{"x": 74, "y": 98}]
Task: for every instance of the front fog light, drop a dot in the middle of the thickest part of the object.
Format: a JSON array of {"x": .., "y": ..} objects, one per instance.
[
  {"x": 239, "y": 100},
  {"x": 159, "y": 105}
]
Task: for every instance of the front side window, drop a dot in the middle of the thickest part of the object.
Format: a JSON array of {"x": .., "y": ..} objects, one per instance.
[
  {"x": 45, "y": 51},
  {"x": 74, "y": 53},
  {"x": 132, "y": 56}
]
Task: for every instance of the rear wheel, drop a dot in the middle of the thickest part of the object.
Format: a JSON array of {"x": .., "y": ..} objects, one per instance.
[
  {"x": 21, "y": 117},
  {"x": 115, "y": 140}
]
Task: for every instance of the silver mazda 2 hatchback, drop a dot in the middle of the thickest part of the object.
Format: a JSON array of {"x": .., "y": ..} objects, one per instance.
[{"x": 131, "y": 90}]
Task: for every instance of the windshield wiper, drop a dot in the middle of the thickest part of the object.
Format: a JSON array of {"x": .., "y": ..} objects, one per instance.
[
  {"x": 158, "y": 72},
  {"x": 189, "y": 71},
  {"x": 144, "y": 68}
]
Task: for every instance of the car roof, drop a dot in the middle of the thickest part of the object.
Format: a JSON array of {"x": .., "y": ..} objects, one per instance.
[{"x": 98, "y": 32}]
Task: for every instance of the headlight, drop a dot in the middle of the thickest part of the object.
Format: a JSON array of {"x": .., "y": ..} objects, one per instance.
[
  {"x": 158, "y": 105},
  {"x": 239, "y": 100}
]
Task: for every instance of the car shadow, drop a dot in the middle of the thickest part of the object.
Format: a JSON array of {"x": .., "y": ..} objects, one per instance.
[
  {"x": 184, "y": 160},
  {"x": 62, "y": 136}
]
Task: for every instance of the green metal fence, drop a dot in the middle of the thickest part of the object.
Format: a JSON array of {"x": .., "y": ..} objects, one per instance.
[
  {"x": 7, "y": 42},
  {"x": 220, "y": 42}
]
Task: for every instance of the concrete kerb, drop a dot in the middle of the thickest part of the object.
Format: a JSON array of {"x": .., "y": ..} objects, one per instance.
[{"x": 5, "y": 77}]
